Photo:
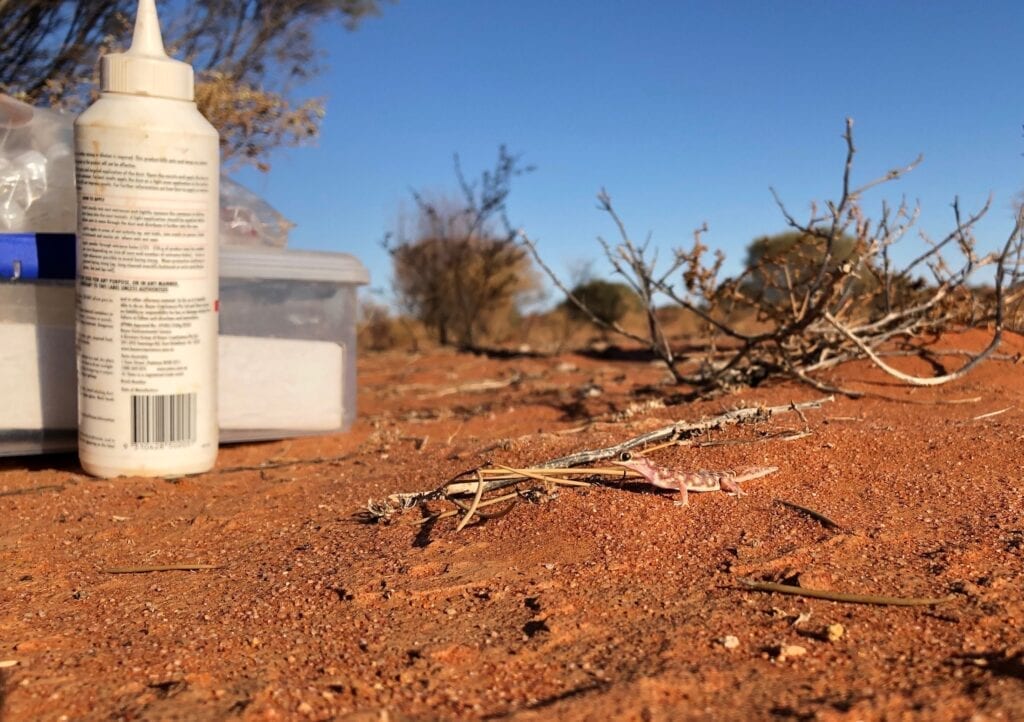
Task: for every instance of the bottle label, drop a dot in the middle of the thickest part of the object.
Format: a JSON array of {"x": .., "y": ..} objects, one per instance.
[{"x": 147, "y": 291}]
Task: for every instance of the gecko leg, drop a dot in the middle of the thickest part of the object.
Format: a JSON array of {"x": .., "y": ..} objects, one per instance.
[
  {"x": 731, "y": 487},
  {"x": 684, "y": 497}
]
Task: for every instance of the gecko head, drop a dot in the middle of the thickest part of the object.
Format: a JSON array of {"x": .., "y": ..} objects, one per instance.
[{"x": 638, "y": 464}]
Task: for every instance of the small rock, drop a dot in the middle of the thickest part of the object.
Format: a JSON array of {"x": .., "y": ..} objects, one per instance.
[
  {"x": 835, "y": 632},
  {"x": 730, "y": 642},
  {"x": 305, "y": 708},
  {"x": 451, "y": 611},
  {"x": 5, "y": 663},
  {"x": 815, "y": 579},
  {"x": 788, "y": 651}
]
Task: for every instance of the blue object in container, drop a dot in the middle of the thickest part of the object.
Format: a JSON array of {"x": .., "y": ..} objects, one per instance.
[{"x": 36, "y": 256}]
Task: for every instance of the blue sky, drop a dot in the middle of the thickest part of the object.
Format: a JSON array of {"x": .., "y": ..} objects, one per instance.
[{"x": 685, "y": 111}]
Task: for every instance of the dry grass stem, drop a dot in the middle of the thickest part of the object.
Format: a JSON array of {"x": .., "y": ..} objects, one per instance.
[
  {"x": 546, "y": 475},
  {"x": 990, "y": 414},
  {"x": 476, "y": 502}
]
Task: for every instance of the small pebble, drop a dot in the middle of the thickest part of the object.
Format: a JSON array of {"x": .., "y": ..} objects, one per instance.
[
  {"x": 5, "y": 663},
  {"x": 305, "y": 708},
  {"x": 787, "y": 651},
  {"x": 730, "y": 642},
  {"x": 835, "y": 632},
  {"x": 451, "y": 611}
]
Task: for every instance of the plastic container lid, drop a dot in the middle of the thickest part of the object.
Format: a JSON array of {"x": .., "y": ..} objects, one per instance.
[
  {"x": 146, "y": 69},
  {"x": 292, "y": 265}
]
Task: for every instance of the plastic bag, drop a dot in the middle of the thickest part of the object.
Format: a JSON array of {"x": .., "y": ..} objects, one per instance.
[
  {"x": 37, "y": 180},
  {"x": 248, "y": 220},
  {"x": 37, "y": 183}
]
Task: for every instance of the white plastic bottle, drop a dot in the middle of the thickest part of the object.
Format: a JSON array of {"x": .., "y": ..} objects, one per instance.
[{"x": 147, "y": 171}]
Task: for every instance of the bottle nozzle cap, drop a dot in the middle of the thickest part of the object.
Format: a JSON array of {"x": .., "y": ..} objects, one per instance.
[{"x": 146, "y": 69}]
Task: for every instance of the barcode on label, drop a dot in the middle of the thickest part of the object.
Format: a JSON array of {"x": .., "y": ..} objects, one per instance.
[{"x": 164, "y": 419}]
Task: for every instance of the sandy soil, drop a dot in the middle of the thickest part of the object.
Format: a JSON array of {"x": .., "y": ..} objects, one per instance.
[{"x": 600, "y": 603}]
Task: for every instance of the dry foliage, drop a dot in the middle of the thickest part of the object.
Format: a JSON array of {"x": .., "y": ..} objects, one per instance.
[
  {"x": 249, "y": 57},
  {"x": 458, "y": 274},
  {"x": 826, "y": 293},
  {"x": 378, "y": 329}
]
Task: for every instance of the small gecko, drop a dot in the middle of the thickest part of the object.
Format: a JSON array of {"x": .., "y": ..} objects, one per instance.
[{"x": 699, "y": 481}]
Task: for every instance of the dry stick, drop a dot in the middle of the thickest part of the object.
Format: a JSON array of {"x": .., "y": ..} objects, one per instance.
[
  {"x": 820, "y": 386},
  {"x": 799, "y": 413},
  {"x": 32, "y": 490},
  {"x": 997, "y": 337},
  {"x": 161, "y": 568},
  {"x": 842, "y": 596},
  {"x": 280, "y": 464},
  {"x": 781, "y": 436},
  {"x": 475, "y": 387},
  {"x": 816, "y": 515},
  {"x": 664, "y": 445},
  {"x": 682, "y": 430}
]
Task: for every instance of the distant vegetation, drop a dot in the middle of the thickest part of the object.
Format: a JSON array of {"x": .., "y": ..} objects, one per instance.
[
  {"x": 250, "y": 56},
  {"x": 462, "y": 273},
  {"x": 601, "y": 302}
]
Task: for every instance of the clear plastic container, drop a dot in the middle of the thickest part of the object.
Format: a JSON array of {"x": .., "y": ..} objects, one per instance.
[
  {"x": 287, "y": 351},
  {"x": 288, "y": 340}
]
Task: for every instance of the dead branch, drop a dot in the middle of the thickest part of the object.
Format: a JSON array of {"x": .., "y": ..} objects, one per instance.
[{"x": 822, "y": 294}]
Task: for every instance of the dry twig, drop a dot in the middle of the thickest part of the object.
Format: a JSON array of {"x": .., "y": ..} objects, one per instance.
[
  {"x": 160, "y": 568},
  {"x": 816, "y": 515},
  {"x": 990, "y": 414},
  {"x": 32, "y": 490}
]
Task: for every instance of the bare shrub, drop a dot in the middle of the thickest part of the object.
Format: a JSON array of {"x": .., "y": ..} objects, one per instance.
[
  {"x": 462, "y": 273},
  {"x": 607, "y": 300},
  {"x": 825, "y": 293}
]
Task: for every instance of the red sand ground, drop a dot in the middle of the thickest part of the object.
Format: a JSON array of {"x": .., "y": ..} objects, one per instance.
[{"x": 602, "y": 603}]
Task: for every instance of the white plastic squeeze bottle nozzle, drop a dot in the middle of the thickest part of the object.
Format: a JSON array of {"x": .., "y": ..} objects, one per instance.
[{"x": 147, "y": 171}]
